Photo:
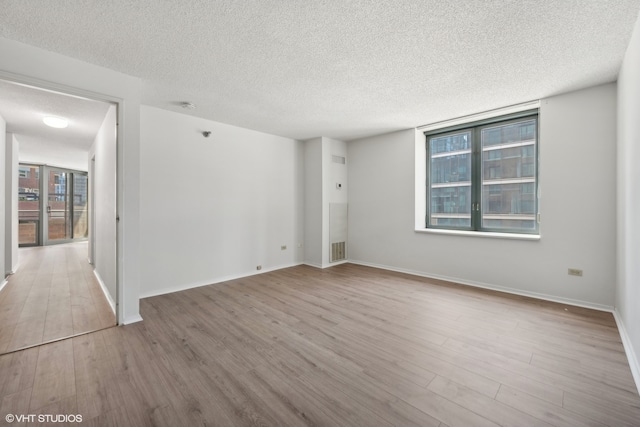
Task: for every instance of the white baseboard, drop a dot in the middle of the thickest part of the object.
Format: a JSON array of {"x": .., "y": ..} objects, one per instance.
[
  {"x": 184, "y": 287},
  {"x": 132, "y": 319},
  {"x": 634, "y": 363},
  {"x": 546, "y": 297},
  {"x": 312, "y": 264},
  {"x": 105, "y": 291},
  {"x": 3, "y": 284},
  {"x": 332, "y": 264},
  {"x": 14, "y": 269}
]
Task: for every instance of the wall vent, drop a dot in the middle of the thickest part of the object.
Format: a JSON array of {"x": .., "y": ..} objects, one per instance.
[
  {"x": 338, "y": 214},
  {"x": 338, "y": 251},
  {"x": 339, "y": 159}
]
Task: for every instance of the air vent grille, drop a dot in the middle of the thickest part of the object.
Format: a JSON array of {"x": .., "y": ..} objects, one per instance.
[
  {"x": 338, "y": 251},
  {"x": 339, "y": 159}
]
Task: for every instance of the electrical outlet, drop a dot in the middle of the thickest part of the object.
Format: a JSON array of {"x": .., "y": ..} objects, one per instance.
[
  {"x": 283, "y": 247},
  {"x": 259, "y": 267},
  {"x": 574, "y": 272}
]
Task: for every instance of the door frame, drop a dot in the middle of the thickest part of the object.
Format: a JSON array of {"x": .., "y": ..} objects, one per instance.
[
  {"x": 44, "y": 191},
  {"x": 92, "y": 209},
  {"x": 118, "y": 104}
]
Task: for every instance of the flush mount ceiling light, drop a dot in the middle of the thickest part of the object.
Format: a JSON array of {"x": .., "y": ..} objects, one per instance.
[{"x": 56, "y": 122}]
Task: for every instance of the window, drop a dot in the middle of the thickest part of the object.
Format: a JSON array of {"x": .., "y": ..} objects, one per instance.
[
  {"x": 24, "y": 172},
  {"x": 484, "y": 176}
]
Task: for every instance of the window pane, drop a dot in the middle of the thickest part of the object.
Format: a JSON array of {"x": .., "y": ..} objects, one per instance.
[
  {"x": 509, "y": 176},
  {"x": 28, "y": 204},
  {"x": 80, "y": 213},
  {"x": 450, "y": 180},
  {"x": 451, "y": 206},
  {"x": 58, "y": 208}
]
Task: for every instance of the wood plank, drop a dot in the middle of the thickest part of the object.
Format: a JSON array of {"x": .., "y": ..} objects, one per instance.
[
  {"x": 17, "y": 371},
  {"x": 36, "y": 304},
  {"x": 465, "y": 355},
  {"x": 540, "y": 409},
  {"x": 96, "y": 386},
  {"x": 59, "y": 322},
  {"x": 350, "y": 346},
  {"x": 482, "y": 405},
  {"x": 605, "y": 410},
  {"x": 15, "y": 404},
  {"x": 54, "y": 378},
  {"x": 27, "y": 333}
]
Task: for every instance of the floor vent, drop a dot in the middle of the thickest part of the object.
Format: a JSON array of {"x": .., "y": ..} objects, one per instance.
[{"x": 338, "y": 251}]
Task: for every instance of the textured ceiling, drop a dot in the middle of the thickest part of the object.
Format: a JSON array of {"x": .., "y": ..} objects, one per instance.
[
  {"x": 336, "y": 68},
  {"x": 23, "y": 108}
]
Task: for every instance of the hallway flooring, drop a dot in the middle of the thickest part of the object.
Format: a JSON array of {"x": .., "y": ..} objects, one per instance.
[{"x": 53, "y": 295}]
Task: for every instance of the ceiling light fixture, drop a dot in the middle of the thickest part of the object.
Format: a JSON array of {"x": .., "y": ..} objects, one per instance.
[{"x": 56, "y": 122}]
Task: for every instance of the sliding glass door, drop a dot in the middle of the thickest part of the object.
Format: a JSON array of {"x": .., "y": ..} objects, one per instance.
[
  {"x": 66, "y": 211},
  {"x": 53, "y": 205},
  {"x": 29, "y": 229},
  {"x": 80, "y": 205},
  {"x": 58, "y": 219}
]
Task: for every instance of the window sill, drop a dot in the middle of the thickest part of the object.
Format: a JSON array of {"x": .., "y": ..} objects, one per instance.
[{"x": 511, "y": 236}]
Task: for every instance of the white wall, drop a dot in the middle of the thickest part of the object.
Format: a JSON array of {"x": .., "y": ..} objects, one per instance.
[
  {"x": 43, "y": 153},
  {"x": 338, "y": 173},
  {"x": 11, "y": 197},
  {"x": 3, "y": 201},
  {"x": 104, "y": 204},
  {"x": 313, "y": 202},
  {"x": 577, "y": 161},
  {"x": 321, "y": 177},
  {"x": 215, "y": 208},
  {"x": 628, "y": 267},
  {"x": 31, "y": 65},
  {"x": 338, "y": 198}
]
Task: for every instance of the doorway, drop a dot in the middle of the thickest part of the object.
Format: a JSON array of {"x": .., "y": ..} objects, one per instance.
[
  {"x": 63, "y": 217},
  {"x": 55, "y": 292}
]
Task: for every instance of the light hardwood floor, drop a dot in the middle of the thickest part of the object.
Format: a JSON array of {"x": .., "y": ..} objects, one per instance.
[
  {"x": 53, "y": 295},
  {"x": 346, "y": 346}
]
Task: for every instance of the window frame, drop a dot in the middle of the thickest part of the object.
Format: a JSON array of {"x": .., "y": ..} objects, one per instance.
[{"x": 475, "y": 128}]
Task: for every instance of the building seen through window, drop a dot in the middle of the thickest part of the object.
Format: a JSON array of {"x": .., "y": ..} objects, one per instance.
[{"x": 484, "y": 177}]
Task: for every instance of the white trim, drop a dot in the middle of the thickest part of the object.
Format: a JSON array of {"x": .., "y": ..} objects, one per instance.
[
  {"x": 58, "y": 88},
  {"x": 105, "y": 291},
  {"x": 331, "y": 264},
  {"x": 451, "y": 153},
  {"x": 119, "y": 102},
  {"x": 545, "y": 297},
  {"x": 634, "y": 363},
  {"x": 184, "y": 287},
  {"x": 502, "y": 181},
  {"x": 507, "y": 145},
  {"x": 480, "y": 116},
  {"x": 3, "y": 284},
  {"x": 312, "y": 264},
  {"x": 132, "y": 319},
  {"x": 451, "y": 184},
  {"x": 512, "y": 236}
]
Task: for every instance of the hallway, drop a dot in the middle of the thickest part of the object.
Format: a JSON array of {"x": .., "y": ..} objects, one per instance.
[{"x": 53, "y": 295}]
